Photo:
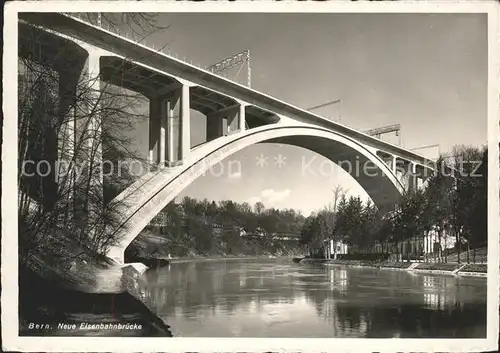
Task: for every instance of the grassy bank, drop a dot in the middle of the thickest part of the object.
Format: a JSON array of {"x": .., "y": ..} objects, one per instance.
[
  {"x": 360, "y": 263},
  {"x": 479, "y": 255},
  {"x": 439, "y": 266},
  {"x": 418, "y": 266},
  {"x": 479, "y": 268}
]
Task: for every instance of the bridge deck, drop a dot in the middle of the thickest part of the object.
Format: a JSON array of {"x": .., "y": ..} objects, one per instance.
[{"x": 126, "y": 48}]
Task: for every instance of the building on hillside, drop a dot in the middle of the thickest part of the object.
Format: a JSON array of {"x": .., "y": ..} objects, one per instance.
[
  {"x": 160, "y": 220},
  {"x": 330, "y": 249},
  {"x": 217, "y": 229},
  {"x": 242, "y": 231},
  {"x": 431, "y": 242},
  {"x": 163, "y": 218},
  {"x": 336, "y": 248},
  {"x": 423, "y": 246},
  {"x": 260, "y": 232}
]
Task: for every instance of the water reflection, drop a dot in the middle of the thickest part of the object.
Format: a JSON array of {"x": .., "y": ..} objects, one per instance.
[{"x": 281, "y": 299}]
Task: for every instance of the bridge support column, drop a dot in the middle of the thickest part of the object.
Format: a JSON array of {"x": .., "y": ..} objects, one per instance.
[
  {"x": 96, "y": 205},
  {"x": 173, "y": 129},
  {"x": 418, "y": 182},
  {"x": 178, "y": 126},
  {"x": 398, "y": 169},
  {"x": 232, "y": 120},
  {"x": 412, "y": 176},
  {"x": 162, "y": 146},
  {"x": 88, "y": 126},
  {"x": 68, "y": 82},
  {"x": 185, "y": 123},
  {"x": 241, "y": 118},
  {"x": 408, "y": 175},
  {"x": 215, "y": 127},
  {"x": 235, "y": 121},
  {"x": 425, "y": 174},
  {"x": 88, "y": 189},
  {"x": 156, "y": 138},
  {"x": 405, "y": 172},
  {"x": 420, "y": 176},
  {"x": 170, "y": 127}
]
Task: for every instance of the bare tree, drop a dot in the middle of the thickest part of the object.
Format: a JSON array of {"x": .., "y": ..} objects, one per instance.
[{"x": 73, "y": 137}]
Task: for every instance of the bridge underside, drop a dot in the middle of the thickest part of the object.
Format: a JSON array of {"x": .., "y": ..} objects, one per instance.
[
  {"x": 151, "y": 83},
  {"x": 148, "y": 196},
  {"x": 361, "y": 167}
]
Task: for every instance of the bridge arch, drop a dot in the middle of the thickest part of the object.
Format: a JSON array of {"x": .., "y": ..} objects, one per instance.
[{"x": 144, "y": 199}]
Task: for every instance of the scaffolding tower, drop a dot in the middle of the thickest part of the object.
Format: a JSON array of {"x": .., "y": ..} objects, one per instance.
[
  {"x": 237, "y": 60},
  {"x": 326, "y": 104},
  {"x": 379, "y": 131}
]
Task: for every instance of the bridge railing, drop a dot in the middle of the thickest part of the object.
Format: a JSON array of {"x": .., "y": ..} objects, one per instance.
[{"x": 96, "y": 19}]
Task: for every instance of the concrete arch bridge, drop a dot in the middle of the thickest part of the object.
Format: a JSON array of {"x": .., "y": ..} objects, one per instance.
[{"x": 237, "y": 117}]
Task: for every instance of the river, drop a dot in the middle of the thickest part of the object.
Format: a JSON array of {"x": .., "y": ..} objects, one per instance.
[{"x": 278, "y": 298}]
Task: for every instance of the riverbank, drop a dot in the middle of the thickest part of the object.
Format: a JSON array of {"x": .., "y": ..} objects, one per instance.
[
  {"x": 99, "y": 300},
  {"x": 198, "y": 258},
  {"x": 455, "y": 269},
  {"x": 150, "y": 245}
]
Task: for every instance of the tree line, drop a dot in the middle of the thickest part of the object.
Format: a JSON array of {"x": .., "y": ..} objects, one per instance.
[
  {"x": 451, "y": 204},
  {"x": 225, "y": 227}
]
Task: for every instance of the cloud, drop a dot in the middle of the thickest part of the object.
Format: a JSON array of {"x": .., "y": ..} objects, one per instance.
[
  {"x": 254, "y": 199},
  {"x": 273, "y": 196},
  {"x": 270, "y": 197}
]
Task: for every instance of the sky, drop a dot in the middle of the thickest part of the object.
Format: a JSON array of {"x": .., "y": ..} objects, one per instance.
[{"x": 426, "y": 72}]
